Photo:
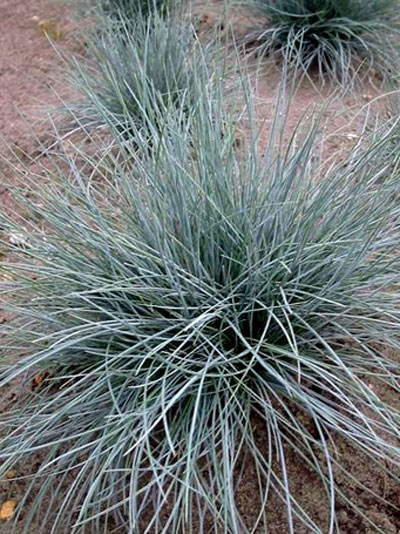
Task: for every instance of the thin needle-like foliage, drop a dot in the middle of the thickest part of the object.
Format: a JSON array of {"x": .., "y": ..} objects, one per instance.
[
  {"x": 131, "y": 9},
  {"x": 193, "y": 299},
  {"x": 137, "y": 75},
  {"x": 342, "y": 40}
]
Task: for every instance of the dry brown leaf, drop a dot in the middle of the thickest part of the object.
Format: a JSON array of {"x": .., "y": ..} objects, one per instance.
[
  {"x": 38, "y": 380},
  {"x": 7, "y": 510},
  {"x": 6, "y": 277},
  {"x": 50, "y": 27}
]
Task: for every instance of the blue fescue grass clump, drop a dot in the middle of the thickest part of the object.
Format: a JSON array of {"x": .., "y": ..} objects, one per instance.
[
  {"x": 340, "y": 40},
  {"x": 129, "y": 10},
  {"x": 170, "y": 306},
  {"x": 137, "y": 76}
]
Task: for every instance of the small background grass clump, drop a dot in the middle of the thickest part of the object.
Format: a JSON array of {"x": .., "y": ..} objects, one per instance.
[
  {"x": 129, "y": 10},
  {"x": 135, "y": 77},
  {"x": 339, "y": 39}
]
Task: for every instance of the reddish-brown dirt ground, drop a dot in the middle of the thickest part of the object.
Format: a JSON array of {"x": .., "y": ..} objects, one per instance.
[{"x": 28, "y": 72}]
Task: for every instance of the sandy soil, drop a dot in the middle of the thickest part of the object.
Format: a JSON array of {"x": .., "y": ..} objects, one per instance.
[{"x": 27, "y": 64}]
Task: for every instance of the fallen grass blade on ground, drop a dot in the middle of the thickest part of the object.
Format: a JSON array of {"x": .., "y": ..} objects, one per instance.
[{"x": 205, "y": 291}]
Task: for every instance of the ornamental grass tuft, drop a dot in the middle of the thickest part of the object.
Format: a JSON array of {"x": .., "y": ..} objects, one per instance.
[
  {"x": 171, "y": 314},
  {"x": 341, "y": 40},
  {"x": 134, "y": 77},
  {"x": 129, "y": 10}
]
